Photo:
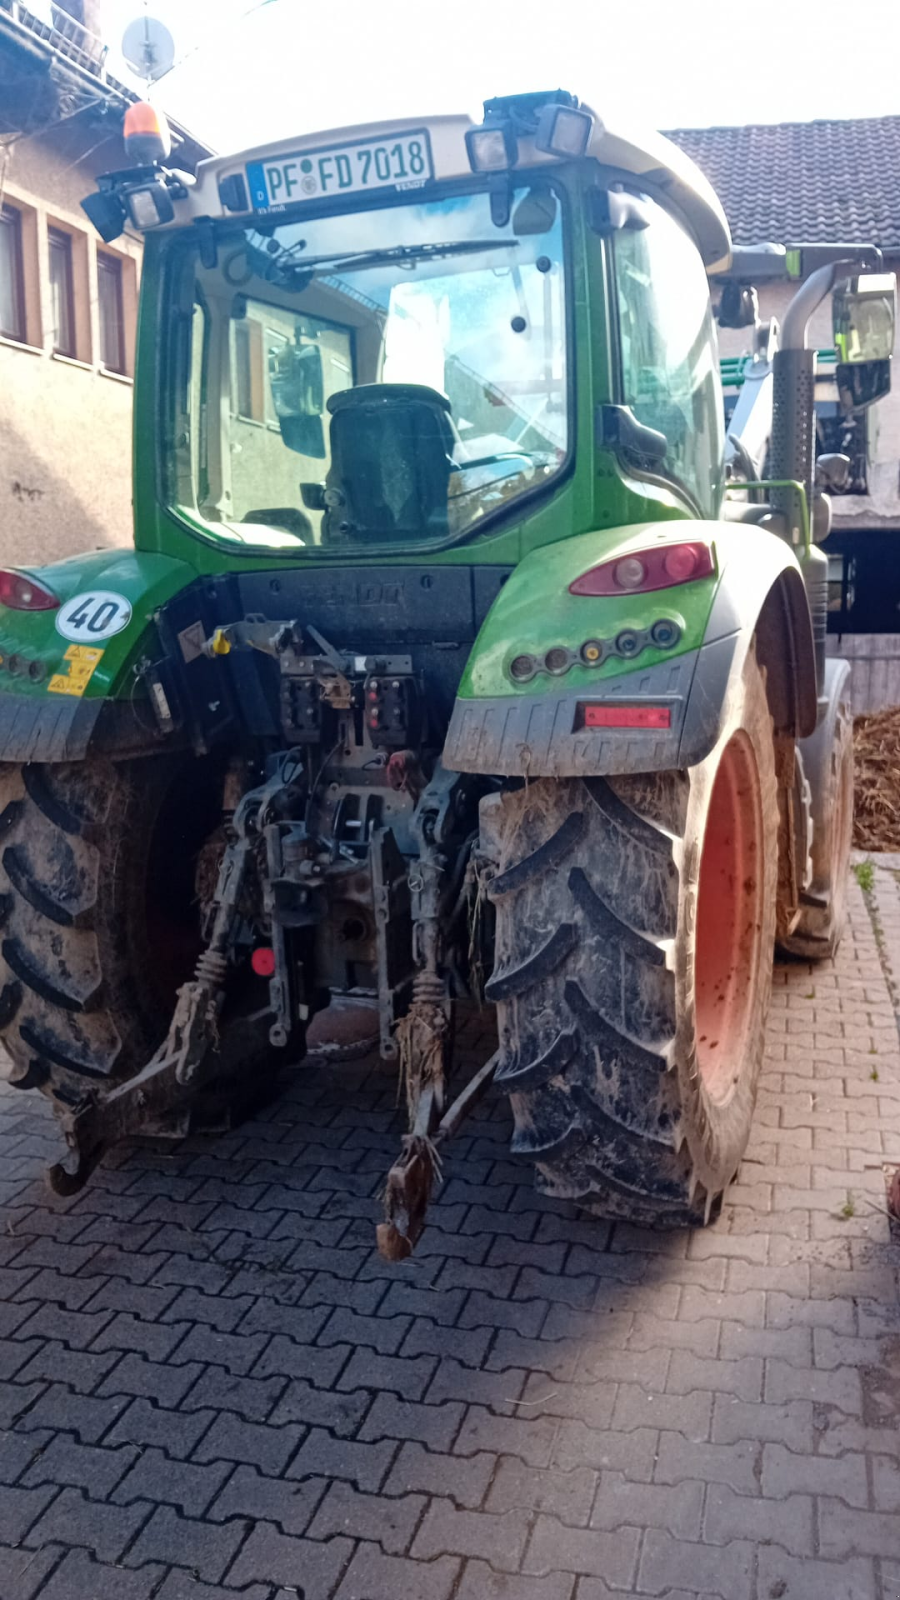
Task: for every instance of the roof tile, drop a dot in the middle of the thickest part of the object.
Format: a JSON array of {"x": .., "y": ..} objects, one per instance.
[{"x": 804, "y": 182}]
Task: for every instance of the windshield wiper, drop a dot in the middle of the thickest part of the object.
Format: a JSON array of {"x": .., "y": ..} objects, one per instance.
[{"x": 356, "y": 261}]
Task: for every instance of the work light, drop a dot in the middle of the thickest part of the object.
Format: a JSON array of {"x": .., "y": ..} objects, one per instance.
[
  {"x": 563, "y": 131},
  {"x": 150, "y": 205},
  {"x": 492, "y": 148}
]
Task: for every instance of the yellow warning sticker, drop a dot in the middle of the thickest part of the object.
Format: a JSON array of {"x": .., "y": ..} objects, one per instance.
[{"x": 82, "y": 660}]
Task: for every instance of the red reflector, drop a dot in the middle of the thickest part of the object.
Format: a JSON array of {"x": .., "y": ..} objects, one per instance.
[
  {"x": 263, "y": 961},
  {"x": 21, "y": 593},
  {"x": 664, "y": 566},
  {"x": 627, "y": 717}
]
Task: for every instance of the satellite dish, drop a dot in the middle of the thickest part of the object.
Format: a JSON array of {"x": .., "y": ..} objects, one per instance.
[{"x": 148, "y": 48}]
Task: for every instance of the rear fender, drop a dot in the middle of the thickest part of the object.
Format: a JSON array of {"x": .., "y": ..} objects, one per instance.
[
  {"x": 65, "y": 688},
  {"x": 539, "y": 730}
]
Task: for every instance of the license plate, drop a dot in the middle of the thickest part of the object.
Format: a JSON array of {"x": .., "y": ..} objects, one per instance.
[{"x": 403, "y": 162}]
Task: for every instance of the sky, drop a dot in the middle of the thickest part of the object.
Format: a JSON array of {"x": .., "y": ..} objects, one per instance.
[{"x": 246, "y": 72}]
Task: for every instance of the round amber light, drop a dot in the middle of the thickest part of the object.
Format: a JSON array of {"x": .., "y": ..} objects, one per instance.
[
  {"x": 557, "y": 659},
  {"x": 591, "y": 651}
]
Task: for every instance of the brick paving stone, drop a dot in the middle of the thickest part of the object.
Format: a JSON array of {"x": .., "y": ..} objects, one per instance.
[
  {"x": 498, "y": 1538},
  {"x": 568, "y": 1495},
  {"x": 462, "y": 1479},
  {"x": 688, "y": 1373},
  {"x": 39, "y": 1405},
  {"x": 375, "y": 1576},
  {"x": 529, "y": 1439},
  {"x": 80, "y": 1577},
  {"x": 648, "y": 1505},
  {"x": 143, "y": 1423},
  {"x": 96, "y": 1469},
  {"x": 390, "y": 1521},
  {"x": 23, "y": 1572},
  {"x": 231, "y": 1439},
  {"x": 799, "y": 1578},
  {"x": 19, "y": 1452},
  {"x": 591, "y": 1402},
  {"x": 392, "y": 1418},
  {"x": 555, "y": 1547},
  {"x": 283, "y": 1357},
  {"x": 305, "y": 1564},
  {"x": 632, "y": 1452},
  {"x": 840, "y": 1387},
  {"x": 408, "y": 1376},
  {"x": 784, "y": 1472},
  {"x": 787, "y": 1522},
  {"x": 668, "y": 1563},
  {"x": 679, "y": 1459},
  {"x": 73, "y": 1519},
  {"x": 206, "y": 1547},
  {"x": 303, "y": 1402},
  {"x": 844, "y": 1531},
  {"x": 689, "y": 1413},
  {"x": 204, "y": 1341},
  {"x": 186, "y": 1485},
  {"x": 250, "y": 1495},
  {"x": 480, "y": 1582},
  {"x": 81, "y": 1370},
  {"x": 500, "y": 1390},
  {"x": 790, "y": 1424},
  {"x": 156, "y": 1380},
  {"x": 20, "y": 1509}
]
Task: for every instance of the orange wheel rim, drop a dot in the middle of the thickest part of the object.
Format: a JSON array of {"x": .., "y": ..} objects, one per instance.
[{"x": 729, "y": 919}]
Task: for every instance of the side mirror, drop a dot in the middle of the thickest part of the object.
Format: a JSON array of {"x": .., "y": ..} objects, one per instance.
[
  {"x": 305, "y": 435},
  {"x": 298, "y": 394},
  {"x": 864, "y": 315},
  {"x": 621, "y": 430},
  {"x": 535, "y": 212}
]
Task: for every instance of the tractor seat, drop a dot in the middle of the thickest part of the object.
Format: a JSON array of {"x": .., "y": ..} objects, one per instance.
[{"x": 392, "y": 450}]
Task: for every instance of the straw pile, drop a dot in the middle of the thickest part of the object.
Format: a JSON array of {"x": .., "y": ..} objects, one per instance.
[{"x": 876, "y": 745}]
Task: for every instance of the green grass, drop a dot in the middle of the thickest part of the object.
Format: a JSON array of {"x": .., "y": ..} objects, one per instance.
[
  {"x": 874, "y": 1074},
  {"x": 848, "y": 1209},
  {"x": 865, "y": 876}
]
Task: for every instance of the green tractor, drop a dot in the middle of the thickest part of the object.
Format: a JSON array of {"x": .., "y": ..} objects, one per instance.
[{"x": 459, "y": 655}]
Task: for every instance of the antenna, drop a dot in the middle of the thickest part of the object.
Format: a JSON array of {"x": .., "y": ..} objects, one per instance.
[{"x": 148, "y": 48}]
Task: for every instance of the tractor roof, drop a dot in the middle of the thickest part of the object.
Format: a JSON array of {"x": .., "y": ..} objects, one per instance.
[{"x": 662, "y": 167}]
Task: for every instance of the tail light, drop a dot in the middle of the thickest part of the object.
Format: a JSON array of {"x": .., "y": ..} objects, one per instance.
[
  {"x": 642, "y": 571},
  {"x": 21, "y": 593}
]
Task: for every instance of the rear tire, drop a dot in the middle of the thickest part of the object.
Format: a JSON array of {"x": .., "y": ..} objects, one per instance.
[
  {"x": 635, "y": 931},
  {"x": 101, "y": 924}
]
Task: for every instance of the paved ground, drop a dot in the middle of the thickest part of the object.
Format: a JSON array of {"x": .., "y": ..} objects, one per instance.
[{"x": 211, "y": 1384}]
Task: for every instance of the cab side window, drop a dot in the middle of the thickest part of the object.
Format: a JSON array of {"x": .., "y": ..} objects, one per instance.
[{"x": 669, "y": 354}]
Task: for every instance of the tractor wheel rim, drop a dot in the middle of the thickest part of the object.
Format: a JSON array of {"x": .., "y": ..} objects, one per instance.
[{"x": 729, "y": 920}]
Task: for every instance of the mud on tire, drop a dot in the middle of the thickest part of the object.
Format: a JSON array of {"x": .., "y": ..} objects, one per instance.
[
  {"x": 632, "y": 986},
  {"x": 98, "y": 924}
]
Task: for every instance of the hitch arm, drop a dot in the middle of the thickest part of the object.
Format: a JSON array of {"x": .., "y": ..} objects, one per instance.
[{"x": 411, "y": 1179}]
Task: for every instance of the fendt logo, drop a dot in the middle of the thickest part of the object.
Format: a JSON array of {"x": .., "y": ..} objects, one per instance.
[{"x": 379, "y": 594}]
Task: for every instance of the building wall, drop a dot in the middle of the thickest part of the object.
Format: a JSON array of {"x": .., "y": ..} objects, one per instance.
[{"x": 65, "y": 424}]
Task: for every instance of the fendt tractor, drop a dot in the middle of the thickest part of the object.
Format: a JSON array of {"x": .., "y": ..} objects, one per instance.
[{"x": 460, "y": 656}]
